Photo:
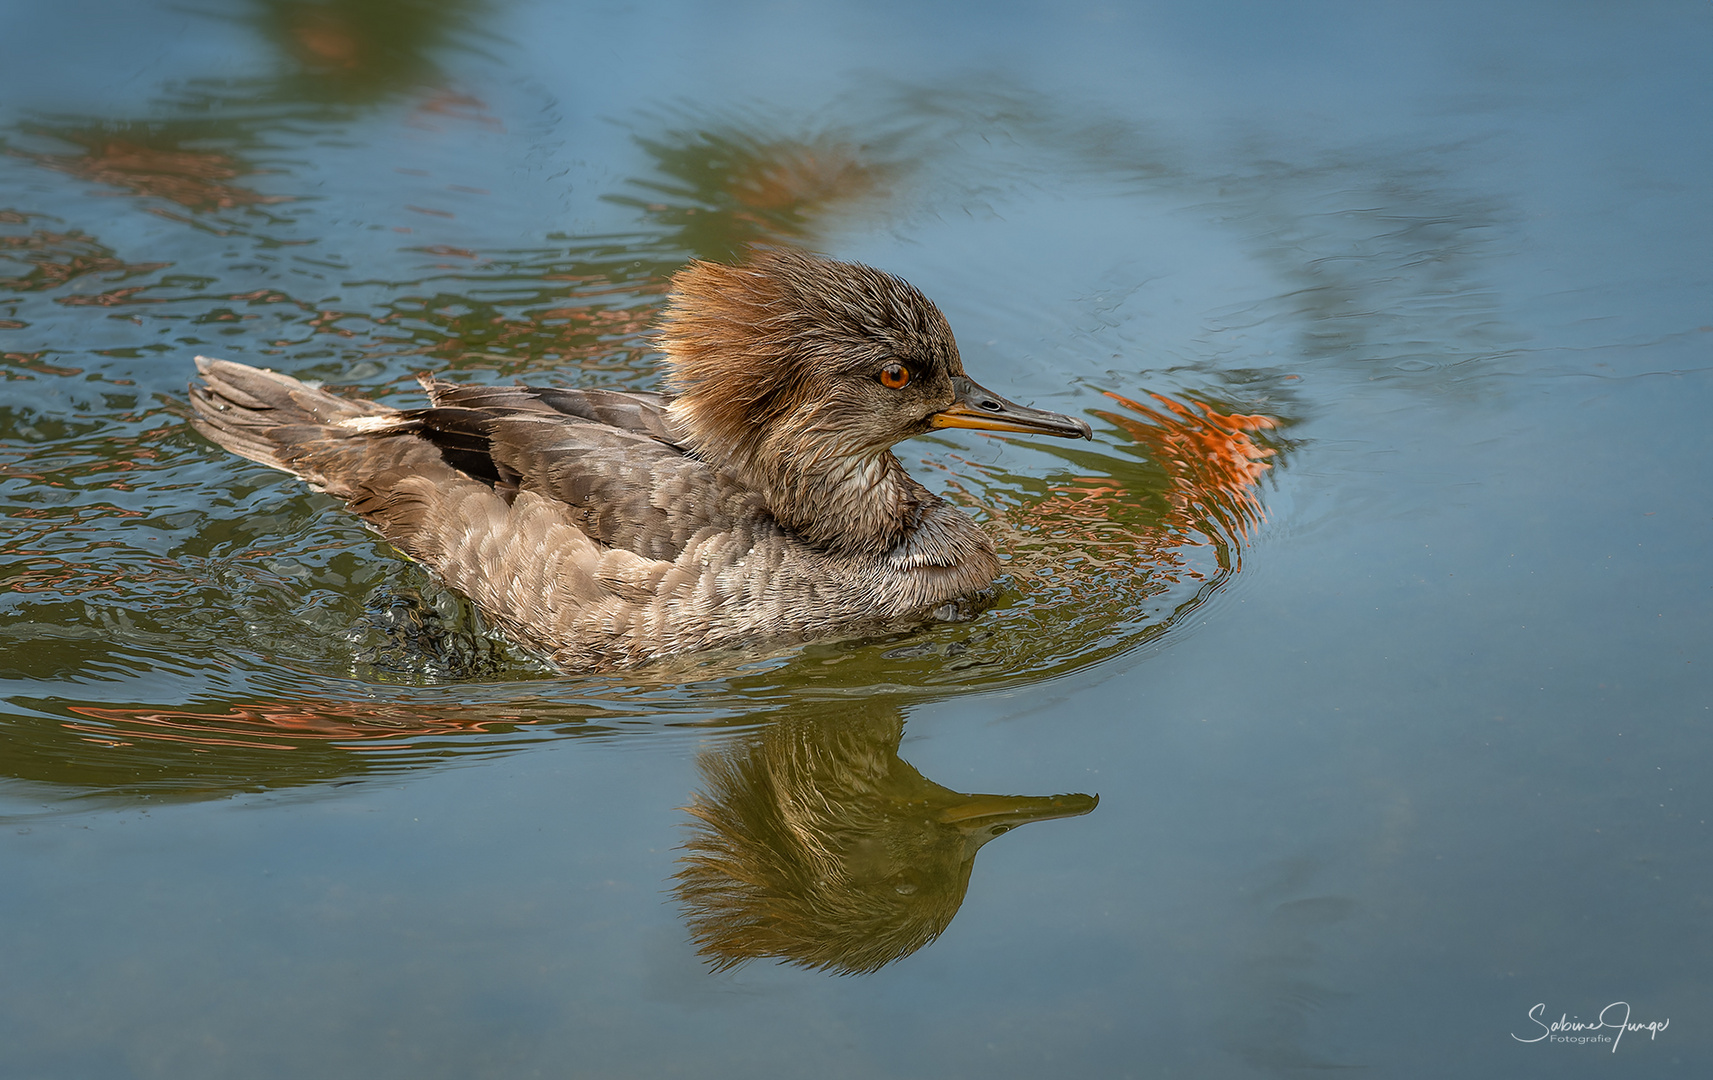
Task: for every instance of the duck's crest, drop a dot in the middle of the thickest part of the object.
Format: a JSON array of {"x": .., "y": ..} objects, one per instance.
[{"x": 746, "y": 345}]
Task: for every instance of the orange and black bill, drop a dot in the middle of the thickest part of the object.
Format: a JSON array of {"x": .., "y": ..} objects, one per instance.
[{"x": 977, "y": 407}]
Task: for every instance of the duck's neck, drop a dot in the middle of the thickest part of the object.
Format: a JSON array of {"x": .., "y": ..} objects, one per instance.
[
  {"x": 851, "y": 505},
  {"x": 843, "y": 498}
]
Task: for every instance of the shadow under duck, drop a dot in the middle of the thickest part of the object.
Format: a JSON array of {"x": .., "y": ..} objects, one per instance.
[{"x": 756, "y": 500}]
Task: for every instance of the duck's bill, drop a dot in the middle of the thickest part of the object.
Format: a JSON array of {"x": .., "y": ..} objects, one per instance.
[
  {"x": 986, "y": 811},
  {"x": 980, "y": 408}
]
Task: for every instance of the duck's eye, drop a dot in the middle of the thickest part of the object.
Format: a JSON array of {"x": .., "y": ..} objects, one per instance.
[{"x": 895, "y": 376}]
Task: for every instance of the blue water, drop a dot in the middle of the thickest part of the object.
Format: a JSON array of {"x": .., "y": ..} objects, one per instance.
[{"x": 1394, "y": 740}]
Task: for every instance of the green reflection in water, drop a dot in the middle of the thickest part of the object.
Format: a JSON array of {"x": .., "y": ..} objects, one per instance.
[
  {"x": 362, "y": 51},
  {"x": 815, "y": 843},
  {"x": 725, "y": 185}
]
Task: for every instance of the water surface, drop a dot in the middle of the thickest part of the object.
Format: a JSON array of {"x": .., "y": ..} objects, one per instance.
[{"x": 1376, "y": 616}]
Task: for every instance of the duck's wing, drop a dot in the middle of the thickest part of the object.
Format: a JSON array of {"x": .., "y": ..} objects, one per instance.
[
  {"x": 610, "y": 458},
  {"x": 634, "y": 411}
]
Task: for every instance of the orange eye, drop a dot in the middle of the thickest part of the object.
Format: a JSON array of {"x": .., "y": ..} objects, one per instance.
[{"x": 894, "y": 376}]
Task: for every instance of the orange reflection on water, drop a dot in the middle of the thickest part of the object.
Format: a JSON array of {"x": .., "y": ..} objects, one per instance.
[
  {"x": 786, "y": 186},
  {"x": 46, "y": 574},
  {"x": 724, "y": 188},
  {"x": 453, "y": 105},
  {"x": 321, "y": 36},
  {"x": 55, "y": 258},
  {"x": 273, "y": 726},
  {"x": 194, "y": 179},
  {"x": 364, "y": 51},
  {"x": 588, "y": 336},
  {"x": 1213, "y": 458},
  {"x": 1106, "y": 538},
  {"x": 32, "y": 361}
]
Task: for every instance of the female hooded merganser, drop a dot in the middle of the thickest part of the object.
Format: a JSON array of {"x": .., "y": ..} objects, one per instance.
[{"x": 757, "y": 500}]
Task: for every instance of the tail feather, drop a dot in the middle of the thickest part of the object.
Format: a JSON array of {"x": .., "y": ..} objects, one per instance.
[
  {"x": 425, "y": 480},
  {"x": 334, "y": 443}
]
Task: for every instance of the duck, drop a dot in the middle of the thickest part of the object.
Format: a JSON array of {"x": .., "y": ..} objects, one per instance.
[{"x": 755, "y": 500}]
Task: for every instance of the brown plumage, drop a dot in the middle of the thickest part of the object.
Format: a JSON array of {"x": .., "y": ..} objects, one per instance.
[
  {"x": 814, "y": 843},
  {"x": 757, "y": 501}
]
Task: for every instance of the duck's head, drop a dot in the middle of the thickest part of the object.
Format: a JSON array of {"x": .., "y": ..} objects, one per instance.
[{"x": 798, "y": 373}]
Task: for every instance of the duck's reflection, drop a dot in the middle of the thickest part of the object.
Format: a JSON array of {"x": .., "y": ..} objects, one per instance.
[{"x": 814, "y": 843}]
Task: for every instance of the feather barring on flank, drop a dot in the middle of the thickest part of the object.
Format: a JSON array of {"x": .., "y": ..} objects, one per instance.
[{"x": 757, "y": 500}]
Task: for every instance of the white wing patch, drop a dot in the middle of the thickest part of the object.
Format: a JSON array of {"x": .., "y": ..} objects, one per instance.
[{"x": 368, "y": 425}]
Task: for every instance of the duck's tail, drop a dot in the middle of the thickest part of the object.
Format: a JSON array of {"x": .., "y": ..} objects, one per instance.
[
  {"x": 334, "y": 443},
  {"x": 518, "y": 555}
]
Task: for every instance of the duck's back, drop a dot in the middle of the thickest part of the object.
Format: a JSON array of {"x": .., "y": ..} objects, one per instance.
[{"x": 610, "y": 457}]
